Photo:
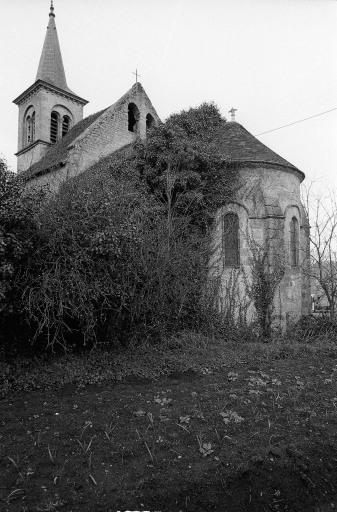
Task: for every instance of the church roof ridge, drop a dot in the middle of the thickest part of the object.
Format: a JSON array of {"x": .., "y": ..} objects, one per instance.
[
  {"x": 51, "y": 69},
  {"x": 237, "y": 143},
  {"x": 234, "y": 141}
]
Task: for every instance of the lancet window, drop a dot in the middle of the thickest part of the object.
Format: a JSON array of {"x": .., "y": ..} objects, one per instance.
[
  {"x": 149, "y": 122},
  {"x": 30, "y": 127},
  {"x": 294, "y": 242},
  {"x": 231, "y": 244},
  {"x": 133, "y": 117}
]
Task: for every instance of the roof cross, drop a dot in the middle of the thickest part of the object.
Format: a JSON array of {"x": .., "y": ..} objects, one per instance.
[
  {"x": 232, "y": 113},
  {"x": 137, "y": 75},
  {"x": 51, "y": 13}
]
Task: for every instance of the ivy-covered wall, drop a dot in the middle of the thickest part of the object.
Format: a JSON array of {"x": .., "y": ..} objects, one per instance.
[{"x": 266, "y": 201}]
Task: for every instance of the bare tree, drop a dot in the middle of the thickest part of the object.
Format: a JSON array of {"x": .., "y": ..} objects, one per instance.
[{"x": 322, "y": 215}]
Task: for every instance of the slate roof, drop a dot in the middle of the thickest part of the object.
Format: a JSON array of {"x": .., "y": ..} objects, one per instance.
[
  {"x": 232, "y": 139},
  {"x": 57, "y": 154},
  {"x": 237, "y": 144},
  {"x": 50, "y": 73},
  {"x": 51, "y": 69}
]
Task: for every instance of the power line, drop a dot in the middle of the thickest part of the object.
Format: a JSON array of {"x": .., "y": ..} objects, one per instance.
[{"x": 299, "y": 121}]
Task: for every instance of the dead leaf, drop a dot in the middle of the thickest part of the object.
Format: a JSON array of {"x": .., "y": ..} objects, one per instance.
[
  {"x": 140, "y": 412},
  {"x": 232, "y": 376},
  {"x": 206, "y": 449},
  {"x": 184, "y": 419}
]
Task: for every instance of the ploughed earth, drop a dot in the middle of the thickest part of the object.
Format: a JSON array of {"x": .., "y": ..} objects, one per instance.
[{"x": 244, "y": 438}]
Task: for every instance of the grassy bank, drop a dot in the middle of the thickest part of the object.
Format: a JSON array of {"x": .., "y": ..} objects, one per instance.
[{"x": 188, "y": 352}]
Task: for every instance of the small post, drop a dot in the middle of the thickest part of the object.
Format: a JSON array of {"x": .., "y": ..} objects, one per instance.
[
  {"x": 232, "y": 113},
  {"x": 137, "y": 75}
]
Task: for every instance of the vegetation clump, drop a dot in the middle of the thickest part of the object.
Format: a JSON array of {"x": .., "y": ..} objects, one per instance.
[
  {"x": 123, "y": 249},
  {"x": 19, "y": 238}
]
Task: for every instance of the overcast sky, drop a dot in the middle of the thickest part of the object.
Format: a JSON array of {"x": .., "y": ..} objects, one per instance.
[{"x": 273, "y": 60}]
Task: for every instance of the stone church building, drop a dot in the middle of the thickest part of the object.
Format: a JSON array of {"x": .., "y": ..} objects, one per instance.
[{"x": 55, "y": 143}]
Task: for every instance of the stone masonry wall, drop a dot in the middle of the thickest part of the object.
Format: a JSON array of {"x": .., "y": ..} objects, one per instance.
[
  {"x": 110, "y": 131},
  {"x": 44, "y": 102},
  {"x": 104, "y": 136},
  {"x": 265, "y": 204}
]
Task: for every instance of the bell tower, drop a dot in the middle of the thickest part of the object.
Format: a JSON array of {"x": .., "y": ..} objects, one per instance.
[{"x": 48, "y": 108}]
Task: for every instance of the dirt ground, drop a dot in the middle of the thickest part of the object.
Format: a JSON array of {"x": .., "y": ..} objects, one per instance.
[{"x": 245, "y": 438}]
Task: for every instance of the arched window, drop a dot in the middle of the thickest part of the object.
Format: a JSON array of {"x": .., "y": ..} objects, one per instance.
[
  {"x": 231, "y": 240},
  {"x": 54, "y": 127},
  {"x": 133, "y": 117},
  {"x": 33, "y": 126},
  {"x": 294, "y": 242},
  {"x": 65, "y": 125},
  {"x": 30, "y": 127},
  {"x": 149, "y": 121}
]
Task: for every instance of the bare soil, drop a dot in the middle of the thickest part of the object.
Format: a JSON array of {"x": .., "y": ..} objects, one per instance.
[{"x": 244, "y": 438}]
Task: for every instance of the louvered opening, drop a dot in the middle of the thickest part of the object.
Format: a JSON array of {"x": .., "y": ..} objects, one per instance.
[
  {"x": 29, "y": 129},
  {"x": 54, "y": 123},
  {"x": 33, "y": 127},
  {"x": 65, "y": 125}
]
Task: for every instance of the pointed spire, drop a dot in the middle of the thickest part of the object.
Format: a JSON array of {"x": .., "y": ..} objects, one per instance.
[{"x": 51, "y": 68}]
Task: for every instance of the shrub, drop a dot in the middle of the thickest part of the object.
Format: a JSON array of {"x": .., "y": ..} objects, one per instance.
[
  {"x": 19, "y": 235},
  {"x": 312, "y": 327},
  {"x": 124, "y": 247},
  {"x": 121, "y": 253}
]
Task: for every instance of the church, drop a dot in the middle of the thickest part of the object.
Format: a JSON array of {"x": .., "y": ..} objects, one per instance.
[{"x": 55, "y": 143}]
